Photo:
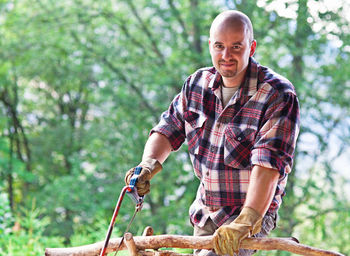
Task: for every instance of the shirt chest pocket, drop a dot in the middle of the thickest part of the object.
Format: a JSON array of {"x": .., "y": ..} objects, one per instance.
[
  {"x": 238, "y": 146},
  {"x": 194, "y": 128}
]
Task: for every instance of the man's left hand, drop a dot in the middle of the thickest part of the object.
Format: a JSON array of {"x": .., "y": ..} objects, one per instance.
[{"x": 227, "y": 238}]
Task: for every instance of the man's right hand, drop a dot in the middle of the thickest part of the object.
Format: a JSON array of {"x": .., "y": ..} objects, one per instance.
[{"x": 150, "y": 167}]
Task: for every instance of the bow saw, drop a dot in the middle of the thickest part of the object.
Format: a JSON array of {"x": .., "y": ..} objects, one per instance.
[{"x": 131, "y": 191}]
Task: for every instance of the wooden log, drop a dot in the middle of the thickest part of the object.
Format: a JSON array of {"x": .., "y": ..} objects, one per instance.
[
  {"x": 192, "y": 242},
  {"x": 130, "y": 244}
]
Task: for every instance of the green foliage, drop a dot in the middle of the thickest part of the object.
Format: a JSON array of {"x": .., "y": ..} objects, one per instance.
[
  {"x": 89, "y": 233},
  {"x": 29, "y": 238}
]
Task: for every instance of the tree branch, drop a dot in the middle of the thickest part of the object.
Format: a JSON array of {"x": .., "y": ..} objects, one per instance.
[
  {"x": 177, "y": 15},
  {"x": 133, "y": 86},
  {"x": 146, "y": 30},
  {"x": 192, "y": 242},
  {"x": 121, "y": 23},
  {"x": 19, "y": 131}
]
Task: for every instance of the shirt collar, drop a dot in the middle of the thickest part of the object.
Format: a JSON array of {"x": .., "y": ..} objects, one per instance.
[
  {"x": 250, "y": 84},
  {"x": 216, "y": 81}
]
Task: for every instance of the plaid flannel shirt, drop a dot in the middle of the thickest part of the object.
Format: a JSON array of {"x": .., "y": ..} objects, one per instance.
[{"x": 259, "y": 126}]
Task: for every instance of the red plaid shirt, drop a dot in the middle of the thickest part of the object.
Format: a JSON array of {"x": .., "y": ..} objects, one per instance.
[{"x": 259, "y": 126}]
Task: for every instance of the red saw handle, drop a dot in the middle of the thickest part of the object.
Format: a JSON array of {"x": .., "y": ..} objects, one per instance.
[{"x": 111, "y": 224}]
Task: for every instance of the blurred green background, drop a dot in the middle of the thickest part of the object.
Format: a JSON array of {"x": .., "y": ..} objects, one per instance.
[{"x": 83, "y": 81}]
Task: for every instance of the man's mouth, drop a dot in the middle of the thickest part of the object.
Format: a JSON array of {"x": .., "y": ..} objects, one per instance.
[{"x": 227, "y": 64}]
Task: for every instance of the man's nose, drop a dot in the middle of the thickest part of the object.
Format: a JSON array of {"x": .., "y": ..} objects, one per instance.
[{"x": 227, "y": 54}]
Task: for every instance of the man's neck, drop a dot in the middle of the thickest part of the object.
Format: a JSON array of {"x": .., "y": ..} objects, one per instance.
[{"x": 233, "y": 81}]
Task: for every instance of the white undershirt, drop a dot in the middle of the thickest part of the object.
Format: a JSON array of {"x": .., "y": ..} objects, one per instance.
[{"x": 227, "y": 93}]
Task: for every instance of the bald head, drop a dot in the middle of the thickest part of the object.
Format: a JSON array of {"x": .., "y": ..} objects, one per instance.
[{"x": 232, "y": 18}]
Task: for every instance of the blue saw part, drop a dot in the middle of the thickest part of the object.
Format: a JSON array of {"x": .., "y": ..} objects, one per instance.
[{"x": 135, "y": 177}]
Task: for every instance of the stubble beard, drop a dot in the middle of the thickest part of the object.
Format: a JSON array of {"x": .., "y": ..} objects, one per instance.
[{"x": 228, "y": 72}]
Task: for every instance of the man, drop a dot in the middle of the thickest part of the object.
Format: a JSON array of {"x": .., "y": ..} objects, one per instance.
[{"x": 241, "y": 122}]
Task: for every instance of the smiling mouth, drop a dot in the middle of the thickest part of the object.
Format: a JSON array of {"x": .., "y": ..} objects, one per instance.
[{"x": 227, "y": 65}]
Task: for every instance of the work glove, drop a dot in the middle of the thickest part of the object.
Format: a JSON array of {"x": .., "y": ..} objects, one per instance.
[
  {"x": 150, "y": 167},
  {"x": 227, "y": 238}
]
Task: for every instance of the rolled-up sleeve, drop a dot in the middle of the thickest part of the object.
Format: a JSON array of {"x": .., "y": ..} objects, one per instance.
[
  {"x": 276, "y": 140},
  {"x": 171, "y": 122}
]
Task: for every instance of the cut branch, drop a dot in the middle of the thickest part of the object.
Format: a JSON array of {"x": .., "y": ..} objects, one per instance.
[
  {"x": 148, "y": 231},
  {"x": 130, "y": 244},
  {"x": 192, "y": 242}
]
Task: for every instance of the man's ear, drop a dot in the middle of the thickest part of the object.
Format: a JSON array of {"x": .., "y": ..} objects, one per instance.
[
  {"x": 252, "y": 48},
  {"x": 209, "y": 45}
]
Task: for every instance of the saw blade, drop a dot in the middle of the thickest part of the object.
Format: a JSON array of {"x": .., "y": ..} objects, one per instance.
[{"x": 137, "y": 209}]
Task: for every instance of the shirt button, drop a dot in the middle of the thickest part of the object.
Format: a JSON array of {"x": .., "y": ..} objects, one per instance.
[
  {"x": 239, "y": 138},
  {"x": 212, "y": 149},
  {"x": 207, "y": 173}
]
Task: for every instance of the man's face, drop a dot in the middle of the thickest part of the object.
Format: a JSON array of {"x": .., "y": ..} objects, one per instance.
[{"x": 230, "y": 49}]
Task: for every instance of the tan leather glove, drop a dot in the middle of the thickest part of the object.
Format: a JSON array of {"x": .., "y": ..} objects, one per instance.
[
  {"x": 150, "y": 167},
  {"x": 227, "y": 238}
]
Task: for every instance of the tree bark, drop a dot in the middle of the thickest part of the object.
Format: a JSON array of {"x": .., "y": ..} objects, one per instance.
[
  {"x": 197, "y": 45},
  {"x": 191, "y": 242}
]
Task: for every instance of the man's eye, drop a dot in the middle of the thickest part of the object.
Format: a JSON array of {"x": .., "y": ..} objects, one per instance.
[
  {"x": 218, "y": 46},
  {"x": 236, "y": 47}
]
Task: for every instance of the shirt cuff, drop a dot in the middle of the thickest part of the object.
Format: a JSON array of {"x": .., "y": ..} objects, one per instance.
[
  {"x": 269, "y": 159},
  {"x": 175, "y": 137}
]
